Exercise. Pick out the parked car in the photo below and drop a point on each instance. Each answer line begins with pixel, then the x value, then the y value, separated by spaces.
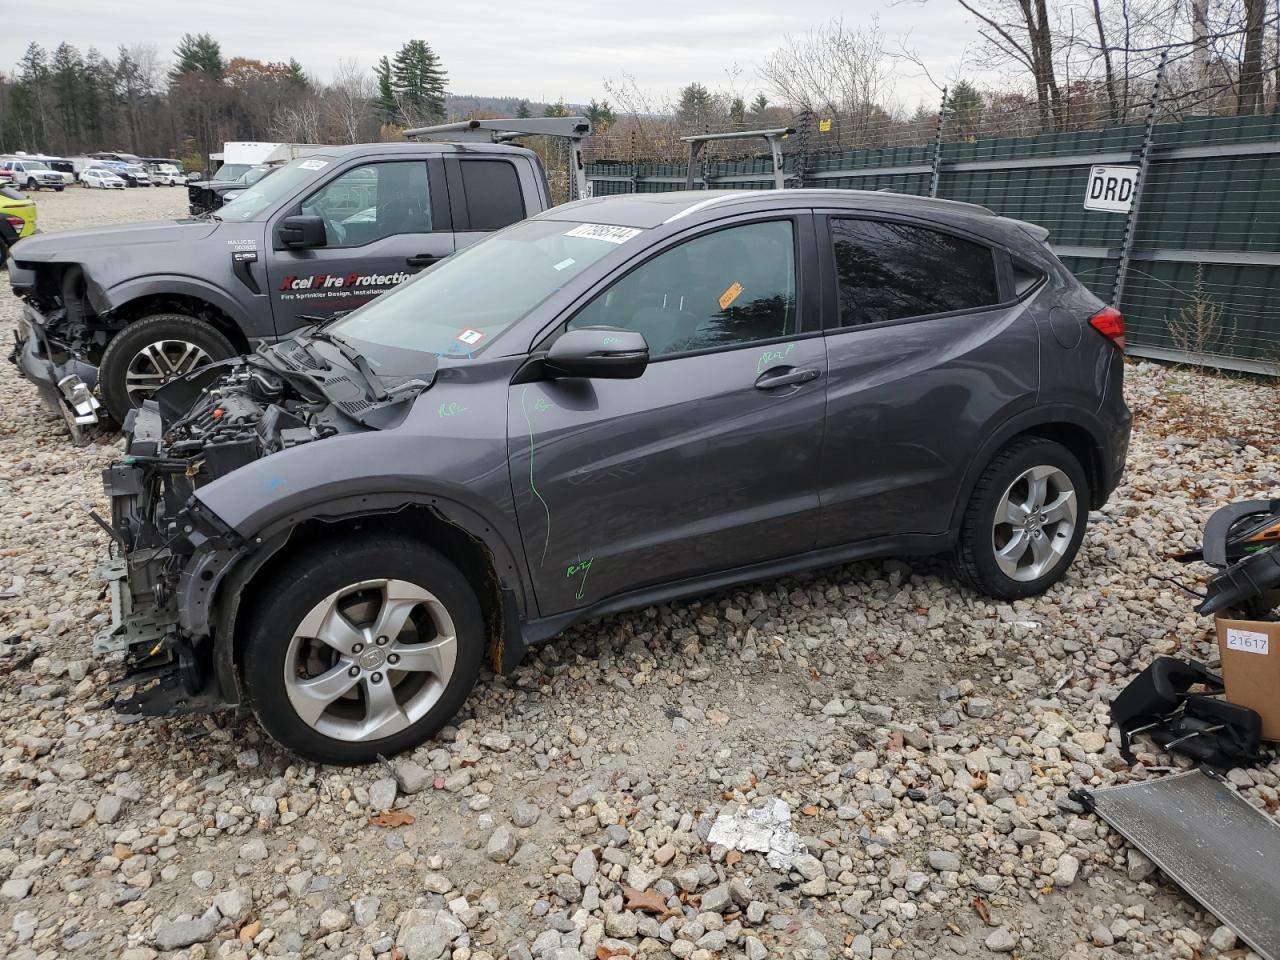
pixel 168 177
pixel 205 196
pixel 32 175
pixel 616 403
pixel 124 310
pixel 136 176
pixel 17 220
pixel 101 178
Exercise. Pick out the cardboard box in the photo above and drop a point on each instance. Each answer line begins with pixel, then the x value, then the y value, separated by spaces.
pixel 1251 668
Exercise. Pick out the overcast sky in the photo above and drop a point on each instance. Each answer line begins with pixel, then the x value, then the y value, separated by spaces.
pixel 547 50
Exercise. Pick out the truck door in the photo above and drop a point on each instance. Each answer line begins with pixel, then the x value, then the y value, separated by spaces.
pixel 488 193
pixel 384 221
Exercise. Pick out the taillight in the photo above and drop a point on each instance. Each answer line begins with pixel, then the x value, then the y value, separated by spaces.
pixel 16 222
pixel 1110 323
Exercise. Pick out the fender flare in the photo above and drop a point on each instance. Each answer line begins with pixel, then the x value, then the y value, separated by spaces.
pixel 1027 421
pixel 120 295
pixel 212 587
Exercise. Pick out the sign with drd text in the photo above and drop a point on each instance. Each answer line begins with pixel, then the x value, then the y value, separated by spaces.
pixel 1110 189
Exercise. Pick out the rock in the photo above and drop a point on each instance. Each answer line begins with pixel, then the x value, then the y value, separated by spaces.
pixel 755 949
pixel 584 866
pixel 107 810
pixel 366 910
pixel 424 942
pixel 525 815
pixel 861 946
pixel 382 793
pixel 332 921
pixel 980 708
pixel 502 845
pixel 232 903
pixel 717 899
pixel 412 777
pixel 203 879
pixel 944 860
pixel 183 933
pixel 1138 866
pixel 621 925
pixel 808 866
pixel 1065 873
pixel 15 888
pixel 437 883
pixel 1001 940
pixel 255 851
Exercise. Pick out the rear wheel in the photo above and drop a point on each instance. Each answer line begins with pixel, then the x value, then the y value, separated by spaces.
pixel 1025 520
pixel 150 353
pixel 342 666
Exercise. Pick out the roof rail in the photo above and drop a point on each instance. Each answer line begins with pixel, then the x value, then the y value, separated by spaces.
pixel 773 135
pixel 573 129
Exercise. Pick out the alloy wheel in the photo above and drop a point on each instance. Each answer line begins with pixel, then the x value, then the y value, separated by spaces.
pixel 1034 523
pixel 370 659
pixel 159 363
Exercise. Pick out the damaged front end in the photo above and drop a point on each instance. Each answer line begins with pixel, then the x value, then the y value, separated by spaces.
pixel 54 355
pixel 171 551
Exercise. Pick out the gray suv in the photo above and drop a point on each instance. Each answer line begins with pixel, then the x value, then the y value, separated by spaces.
pixel 619 402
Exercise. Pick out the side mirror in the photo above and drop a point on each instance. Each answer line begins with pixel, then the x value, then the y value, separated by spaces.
pixel 605 353
pixel 301 231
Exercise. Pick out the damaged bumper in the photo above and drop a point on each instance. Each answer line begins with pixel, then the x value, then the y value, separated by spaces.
pixel 165 544
pixel 64 381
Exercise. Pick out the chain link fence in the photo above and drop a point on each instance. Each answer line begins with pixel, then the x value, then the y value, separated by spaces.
pixel 1193 257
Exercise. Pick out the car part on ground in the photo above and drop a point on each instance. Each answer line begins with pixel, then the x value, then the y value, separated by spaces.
pixel 377 212
pixel 647 404
pixel 1242 543
pixel 1204 727
pixel 1207 839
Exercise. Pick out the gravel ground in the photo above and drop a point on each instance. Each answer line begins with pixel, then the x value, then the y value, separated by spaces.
pixel 923 742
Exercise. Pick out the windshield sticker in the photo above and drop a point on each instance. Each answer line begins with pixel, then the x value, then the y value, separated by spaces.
pixel 564 264
pixel 730 295
pixel 313 164
pixel 602 231
pixel 469 337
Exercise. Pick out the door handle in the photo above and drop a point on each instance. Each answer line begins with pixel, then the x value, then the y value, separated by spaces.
pixel 421 260
pixel 790 377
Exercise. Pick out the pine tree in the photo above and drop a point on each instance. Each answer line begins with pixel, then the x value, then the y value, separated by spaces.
pixel 522 110
pixel 557 109
pixel 738 111
pixel 601 115
pixel 199 53
pixel 759 104
pixel 67 81
pixel 295 76
pixel 695 104
pixel 385 102
pixel 418 80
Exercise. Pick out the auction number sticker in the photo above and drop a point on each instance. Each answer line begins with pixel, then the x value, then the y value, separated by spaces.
pixel 1248 641
pixel 470 337
pixel 313 164
pixel 603 231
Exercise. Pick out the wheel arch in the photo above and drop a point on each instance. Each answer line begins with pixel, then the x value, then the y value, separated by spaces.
pixel 214 310
pixel 455 531
pixel 1080 432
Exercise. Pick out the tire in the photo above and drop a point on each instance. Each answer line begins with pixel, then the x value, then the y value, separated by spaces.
pixel 1010 560
pixel 31 185
pixel 59 189
pixel 125 348
pixel 4 254
pixel 277 662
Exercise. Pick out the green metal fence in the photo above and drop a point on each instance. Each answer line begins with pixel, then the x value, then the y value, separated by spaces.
pixel 1203 269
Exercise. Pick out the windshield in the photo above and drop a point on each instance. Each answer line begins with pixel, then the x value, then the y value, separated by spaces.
pixel 231 171
pixel 460 306
pixel 35 165
pixel 267 191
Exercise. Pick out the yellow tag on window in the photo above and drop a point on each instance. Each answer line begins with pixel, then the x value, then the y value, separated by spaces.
pixel 824 126
pixel 730 295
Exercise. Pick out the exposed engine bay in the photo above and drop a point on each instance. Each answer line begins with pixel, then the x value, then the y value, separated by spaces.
pixel 192 433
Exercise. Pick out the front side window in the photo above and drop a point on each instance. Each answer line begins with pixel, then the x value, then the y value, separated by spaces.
pixel 723 289
pixel 371 202
pixel 894 271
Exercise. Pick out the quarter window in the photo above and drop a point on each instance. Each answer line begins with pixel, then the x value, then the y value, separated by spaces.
pixel 371 202
pixel 893 271
pixel 723 289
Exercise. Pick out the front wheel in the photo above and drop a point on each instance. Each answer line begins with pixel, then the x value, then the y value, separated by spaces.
pixel 1025 520
pixel 150 353
pixel 362 648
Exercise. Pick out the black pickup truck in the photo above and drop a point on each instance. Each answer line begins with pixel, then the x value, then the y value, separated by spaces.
pixel 111 314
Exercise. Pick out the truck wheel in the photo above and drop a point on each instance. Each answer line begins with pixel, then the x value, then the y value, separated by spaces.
pixel 362 648
pixel 1025 520
pixel 150 352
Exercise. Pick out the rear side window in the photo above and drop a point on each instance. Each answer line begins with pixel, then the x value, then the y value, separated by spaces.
pixel 894 271
pixel 493 193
